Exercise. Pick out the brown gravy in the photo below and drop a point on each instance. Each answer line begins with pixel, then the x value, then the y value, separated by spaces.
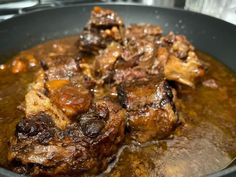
pixel 205 143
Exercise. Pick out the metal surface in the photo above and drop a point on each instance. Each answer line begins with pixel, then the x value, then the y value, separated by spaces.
pixel 230 164
pixel 208 34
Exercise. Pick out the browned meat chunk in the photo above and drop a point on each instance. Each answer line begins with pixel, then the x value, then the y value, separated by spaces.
pixel 90 42
pixel 180 61
pixel 154 92
pixel 139 43
pixel 151 123
pixel 137 59
pixel 36 102
pixel 40 148
pixel 140 52
pixel 104 62
pixel 151 111
pixel 64 131
pixel 104 18
pixel 104 27
pixel 60 67
pixel 67 88
pixel 186 71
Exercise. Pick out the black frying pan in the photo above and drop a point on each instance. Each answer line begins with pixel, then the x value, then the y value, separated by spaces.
pixel 208 34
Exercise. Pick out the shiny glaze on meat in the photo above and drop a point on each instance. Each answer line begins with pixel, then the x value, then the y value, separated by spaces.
pixel 203 144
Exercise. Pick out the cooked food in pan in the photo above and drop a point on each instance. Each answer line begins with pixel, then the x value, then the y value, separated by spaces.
pixel 118 100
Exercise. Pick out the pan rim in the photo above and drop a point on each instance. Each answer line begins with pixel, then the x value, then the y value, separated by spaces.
pixel 118 4
pixel 227 171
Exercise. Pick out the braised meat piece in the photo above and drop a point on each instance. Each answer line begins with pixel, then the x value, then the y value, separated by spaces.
pixel 151 91
pixel 109 24
pixel 104 62
pixel 90 41
pixel 103 27
pixel 151 123
pixel 141 52
pixel 104 18
pixel 36 102
pixel 180 61
pixel 67 87
pixel 137 59
pixel 40 148
pixel 64 131
pixel 151 111
pixel 60 67
pixel 139 43
pixel 185 72
pixel 138 56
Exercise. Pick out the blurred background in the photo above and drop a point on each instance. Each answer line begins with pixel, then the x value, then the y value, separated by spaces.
pixel 223 9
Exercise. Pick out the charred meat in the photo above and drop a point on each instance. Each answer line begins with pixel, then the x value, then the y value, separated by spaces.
pixel 86 145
